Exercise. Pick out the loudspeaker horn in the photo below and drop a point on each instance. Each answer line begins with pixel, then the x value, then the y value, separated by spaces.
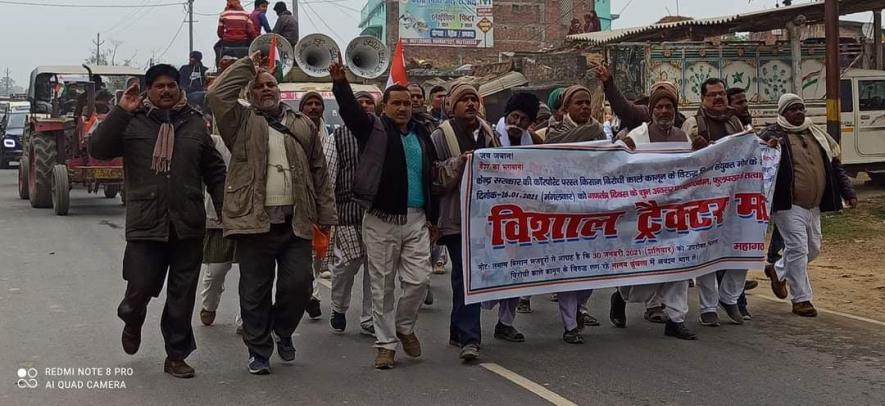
pixel 367 57
pixel 314 53
pixel 285 54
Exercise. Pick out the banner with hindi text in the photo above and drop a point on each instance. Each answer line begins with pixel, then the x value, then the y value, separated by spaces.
pixel 553 218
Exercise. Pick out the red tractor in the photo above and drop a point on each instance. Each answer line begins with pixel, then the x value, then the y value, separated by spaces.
pixel 67 102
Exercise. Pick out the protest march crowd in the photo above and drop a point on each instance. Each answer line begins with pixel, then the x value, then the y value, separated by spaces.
pixel 271 183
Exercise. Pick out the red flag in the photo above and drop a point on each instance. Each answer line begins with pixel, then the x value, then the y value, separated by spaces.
pixel 398 67
pixel 272 54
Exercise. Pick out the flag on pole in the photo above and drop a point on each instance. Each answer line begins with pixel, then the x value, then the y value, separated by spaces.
pixel 274 63
pixel 398 67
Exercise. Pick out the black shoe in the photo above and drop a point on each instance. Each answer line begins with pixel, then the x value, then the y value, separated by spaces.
pixel 367 329
pixel 428 300
pixel 678 330
pixel 573 336
pixel 618 311
pixel 733 313
pixel 587 319
pixel 338 322
pixel 745 313
pixel 691 283
pixel 285 348
pixel 131 338
pixel 524 306
pixel 709 319
pixel 258 365
pixel 313 309
pixel 508 333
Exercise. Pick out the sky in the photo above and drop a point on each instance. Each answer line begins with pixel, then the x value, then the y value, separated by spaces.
pixel 35 35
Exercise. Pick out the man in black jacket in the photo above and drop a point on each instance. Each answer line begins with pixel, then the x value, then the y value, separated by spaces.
pixel 168 156
pixel 810 180
pixel 392 183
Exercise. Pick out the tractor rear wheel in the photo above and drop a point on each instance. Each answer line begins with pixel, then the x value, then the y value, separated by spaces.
pixel 42 159
pixel 110 191
pixel 23 167
pixel 61 190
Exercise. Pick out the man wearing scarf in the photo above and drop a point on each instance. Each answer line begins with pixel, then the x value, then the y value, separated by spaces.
pixel 665 302
pixel 578 124
pixel 554 101
pixel 713 121
pixel 277 189
pixel 810 180
pixel 520 113
pixel 348 248
pixel 393 183
pixel 168 157
pixel 312 106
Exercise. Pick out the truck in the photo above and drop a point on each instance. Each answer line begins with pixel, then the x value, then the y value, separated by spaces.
pixel 765 72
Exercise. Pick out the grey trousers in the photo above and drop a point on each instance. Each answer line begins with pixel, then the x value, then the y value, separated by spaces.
pixel 710 292
pixel 674 296
pixel 343 274
pixel 568 307
pixel 213 286
pixel 397 251
pixel 800 229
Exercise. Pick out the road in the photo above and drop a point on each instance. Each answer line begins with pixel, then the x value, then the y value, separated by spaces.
pixel 60 284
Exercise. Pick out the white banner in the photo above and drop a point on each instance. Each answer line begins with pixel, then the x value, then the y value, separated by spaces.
pixel 553 218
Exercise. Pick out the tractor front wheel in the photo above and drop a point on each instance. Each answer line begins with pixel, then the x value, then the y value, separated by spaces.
pixel 23 167
pixel 61 190
pixel 42 159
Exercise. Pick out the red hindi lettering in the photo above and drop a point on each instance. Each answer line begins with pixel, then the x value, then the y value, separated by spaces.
pixel 751 205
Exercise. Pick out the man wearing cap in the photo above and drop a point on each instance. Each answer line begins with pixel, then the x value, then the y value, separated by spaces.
pixel 192 79
pixel 287 24
pixel 277 189
pixel 349 251
pixel 392 182
pixel 578 124
pixel 168 157
pixel 520 113
pixel 810 180
pixel 312 106
pixel 663 106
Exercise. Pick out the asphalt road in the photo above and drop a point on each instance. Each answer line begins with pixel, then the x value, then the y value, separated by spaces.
pixel 60 284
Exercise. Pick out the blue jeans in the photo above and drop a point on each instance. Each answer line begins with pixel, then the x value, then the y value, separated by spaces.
pixel 465 327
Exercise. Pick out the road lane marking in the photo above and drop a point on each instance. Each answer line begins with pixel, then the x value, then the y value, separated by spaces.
pixel 833 312
pixel 528 385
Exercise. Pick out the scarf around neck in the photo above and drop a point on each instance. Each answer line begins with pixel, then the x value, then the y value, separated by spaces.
pixel 829 145
pixel 501 130
pixel 161 160
pixel 569 131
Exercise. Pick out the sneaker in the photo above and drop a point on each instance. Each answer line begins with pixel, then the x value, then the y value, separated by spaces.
pixel 439 268
pixel 750 285
pixel 207 317
pixel 745 313
pixel 313 309
pixel 367 329
pixel 778 287
pixel 678 330
pixel 469 352
pixel 326 274
pixel 178 369
pixel 554 297
pixel 385 359
pixel 285 348
pixel 508 333
pixel 733 313
pixel 691 283
pixel 258 365
pixel 338 322
pixel 618 311
pixel 587 319
pixel 524 306
pixel 573 336
pixel 410 343
pixel 709 319
pixel 656 315
pixel 428 300
pixel 804 309
pixel 131 338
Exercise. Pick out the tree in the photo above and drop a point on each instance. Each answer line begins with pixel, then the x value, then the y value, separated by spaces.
pixel 108 56
pixel 7 86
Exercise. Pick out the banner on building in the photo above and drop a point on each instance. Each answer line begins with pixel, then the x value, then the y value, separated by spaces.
pixel 566 217
pixel 456 23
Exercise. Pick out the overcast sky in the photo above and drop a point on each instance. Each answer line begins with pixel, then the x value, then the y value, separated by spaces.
pixel 33 35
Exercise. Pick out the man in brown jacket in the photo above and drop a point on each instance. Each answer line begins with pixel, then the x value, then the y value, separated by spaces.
pixel 277 189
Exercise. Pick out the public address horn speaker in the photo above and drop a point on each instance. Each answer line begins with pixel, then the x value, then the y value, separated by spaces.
pixel 314 53
pixel 284 55
pixel 367 57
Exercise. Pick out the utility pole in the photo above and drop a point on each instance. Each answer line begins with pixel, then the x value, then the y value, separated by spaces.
pixel 190 25
pixel 877 38
pixel 8 93
pixel 295 14
pixel 831 30
pixel 98 43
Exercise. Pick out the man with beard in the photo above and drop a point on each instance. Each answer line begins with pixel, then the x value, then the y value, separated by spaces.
pixel 348 248
pixel 168 157
pixel 810 180
pixel 277 189
pixel 663 102
pixel 713 121
pixel 392 182
pixel 312 106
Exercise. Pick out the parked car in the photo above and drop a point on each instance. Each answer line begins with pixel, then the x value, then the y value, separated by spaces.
pixel 11 129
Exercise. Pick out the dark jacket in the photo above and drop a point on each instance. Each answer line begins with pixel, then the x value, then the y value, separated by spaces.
pixel 154 201
pixel 838 184
pixel 287 26
pixel 631 115
pixel 190 81
pixel 380 183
